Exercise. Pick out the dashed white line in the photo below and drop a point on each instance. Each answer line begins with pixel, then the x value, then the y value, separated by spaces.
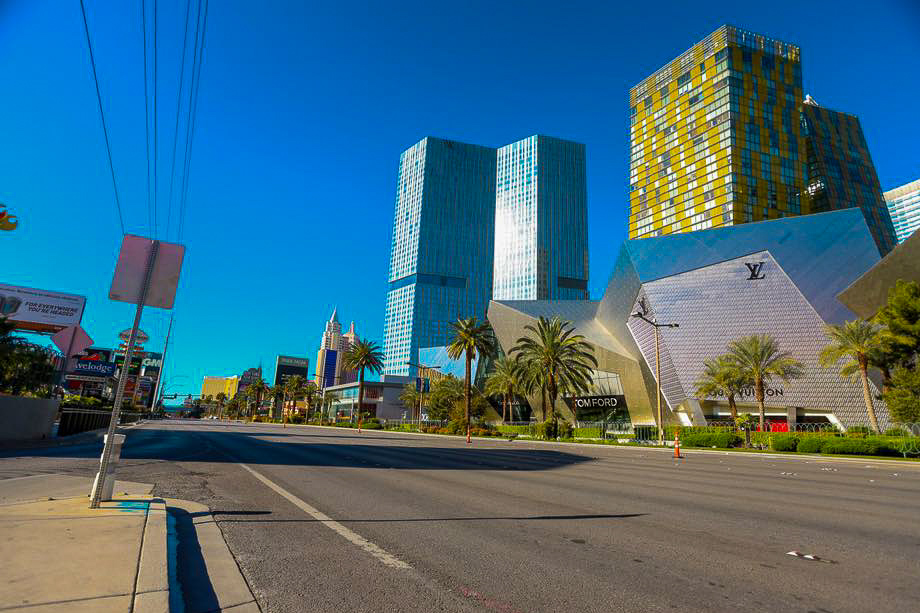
pixel 353 537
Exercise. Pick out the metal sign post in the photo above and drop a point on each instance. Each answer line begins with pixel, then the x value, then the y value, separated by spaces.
pixel 105 478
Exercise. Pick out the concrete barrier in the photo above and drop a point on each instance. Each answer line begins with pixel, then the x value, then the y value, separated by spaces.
pixel 26 419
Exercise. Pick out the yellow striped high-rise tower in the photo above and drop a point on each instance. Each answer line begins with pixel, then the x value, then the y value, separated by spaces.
pixel 716 137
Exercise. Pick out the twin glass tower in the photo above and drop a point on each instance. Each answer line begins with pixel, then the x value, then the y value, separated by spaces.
pixel 475 223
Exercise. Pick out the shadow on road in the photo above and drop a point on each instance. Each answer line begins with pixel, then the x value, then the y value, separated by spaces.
pixel 252 448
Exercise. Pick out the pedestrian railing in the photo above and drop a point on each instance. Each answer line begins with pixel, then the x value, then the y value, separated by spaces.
pixel 75 421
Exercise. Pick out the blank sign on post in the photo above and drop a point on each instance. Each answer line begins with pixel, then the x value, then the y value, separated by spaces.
pixel 132 266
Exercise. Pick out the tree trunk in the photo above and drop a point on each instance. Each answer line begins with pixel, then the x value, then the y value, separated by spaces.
pixel 867 394
pixel 543 402
pixel 732 406
pixel 360 397
pixel 469 365
pixel 758 388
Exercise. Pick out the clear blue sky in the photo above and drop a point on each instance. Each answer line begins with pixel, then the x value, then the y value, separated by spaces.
pixel 304 110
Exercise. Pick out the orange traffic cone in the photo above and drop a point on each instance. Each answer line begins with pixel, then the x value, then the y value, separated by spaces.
pixel 677 445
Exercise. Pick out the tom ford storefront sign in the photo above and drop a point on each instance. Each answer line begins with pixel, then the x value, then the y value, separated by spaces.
pixel 600 407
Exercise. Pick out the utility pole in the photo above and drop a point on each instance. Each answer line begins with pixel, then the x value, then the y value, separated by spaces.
pixel 654 322
pixel 158 389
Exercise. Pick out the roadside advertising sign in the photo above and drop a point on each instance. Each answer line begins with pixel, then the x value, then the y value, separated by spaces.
pixel 40 310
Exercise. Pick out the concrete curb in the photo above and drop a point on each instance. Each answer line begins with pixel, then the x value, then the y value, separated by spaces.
pixel 151 588
pixel 227 581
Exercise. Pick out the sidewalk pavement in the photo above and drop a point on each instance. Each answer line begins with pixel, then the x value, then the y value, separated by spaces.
pixel 57 554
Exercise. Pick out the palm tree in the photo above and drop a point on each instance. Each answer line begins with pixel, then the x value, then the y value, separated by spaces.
pixel 855 340
pixel 505 380
pixel 221 400
pixel 209 401
pixel 722 376
pixel 556 358
pixel 471 337
pixel 294 389
pixel 363 354
pixel 759 359
pixel 411 398
pixel 309 394
pixel 256 391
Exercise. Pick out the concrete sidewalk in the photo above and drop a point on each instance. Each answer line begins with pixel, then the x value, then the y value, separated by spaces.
pixel 56 554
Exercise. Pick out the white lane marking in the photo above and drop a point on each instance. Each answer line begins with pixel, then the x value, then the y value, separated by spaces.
pixel 353 537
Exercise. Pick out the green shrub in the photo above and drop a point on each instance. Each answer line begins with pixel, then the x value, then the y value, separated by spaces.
pixel 295 419
pixel 564 430
pixel 897 432
pixel 812 444
pixel 866 446
pixel 372 424
pixel 587 433
pixel 858 431
pixel 711 439
pixel 783 442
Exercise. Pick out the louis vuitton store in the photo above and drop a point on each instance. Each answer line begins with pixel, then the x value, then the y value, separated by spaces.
pixel 779 277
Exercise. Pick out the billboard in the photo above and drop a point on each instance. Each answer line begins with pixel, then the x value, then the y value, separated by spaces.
pixel 287 366
pixel 40 310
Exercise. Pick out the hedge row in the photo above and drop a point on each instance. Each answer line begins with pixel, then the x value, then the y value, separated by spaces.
pixel 871 445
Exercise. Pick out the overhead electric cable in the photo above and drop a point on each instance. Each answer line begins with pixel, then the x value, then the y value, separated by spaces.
pixel 172 172
pixel 193 119
pixel 188 119
pixel 105 131
pixel 146 115
pixel 155 130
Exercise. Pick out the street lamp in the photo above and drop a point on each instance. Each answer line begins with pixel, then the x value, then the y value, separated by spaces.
pixel 656 325
pixel 421 393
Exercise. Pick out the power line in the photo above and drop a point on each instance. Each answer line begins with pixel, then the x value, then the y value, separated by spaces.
pixel 155 130
pixel 105 131
pixel 193 114
pixel 172 172
pixel 146 114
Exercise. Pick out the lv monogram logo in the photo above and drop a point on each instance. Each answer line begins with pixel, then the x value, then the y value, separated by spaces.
pixel 755 268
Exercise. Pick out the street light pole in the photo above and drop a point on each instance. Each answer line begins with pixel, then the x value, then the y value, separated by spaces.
pixel 654 323
pixel 421 393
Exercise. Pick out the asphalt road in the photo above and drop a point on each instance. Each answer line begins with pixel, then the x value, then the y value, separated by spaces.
pixel 330 520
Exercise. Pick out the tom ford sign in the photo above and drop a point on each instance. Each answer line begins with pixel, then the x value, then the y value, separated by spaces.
pixel 605 407
pixel 597 402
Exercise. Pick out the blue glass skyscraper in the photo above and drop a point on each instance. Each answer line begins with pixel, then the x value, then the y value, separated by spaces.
pixel 541 221
pixel 443 239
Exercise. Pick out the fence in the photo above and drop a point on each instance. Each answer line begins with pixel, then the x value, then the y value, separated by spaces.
pixel 75 421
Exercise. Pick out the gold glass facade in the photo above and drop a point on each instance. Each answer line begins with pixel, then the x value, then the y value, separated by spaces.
pixel 715 137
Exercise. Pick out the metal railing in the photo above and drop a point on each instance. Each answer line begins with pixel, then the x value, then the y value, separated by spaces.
pixel 75 421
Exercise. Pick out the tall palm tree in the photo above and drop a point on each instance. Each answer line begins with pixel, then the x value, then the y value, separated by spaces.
pixel 471 338
pixel 363 355
pixel 722 376
pixel 855 340
pixel 293 389
pixel 221 401
pixel 276 395
pixel 309 394
pixel 759 359
pixel 556 358
pixel 506 380
pixel 256 391
pixel 411 398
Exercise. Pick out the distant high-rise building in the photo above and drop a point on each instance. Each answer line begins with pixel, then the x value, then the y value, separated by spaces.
pixel 541 221
pixel 442 245
pixel 715 136
pixel 330 369
pixel 840 173
pixel 904 206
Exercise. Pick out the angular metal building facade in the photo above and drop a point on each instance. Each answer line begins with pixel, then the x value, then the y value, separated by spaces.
pixel 778 277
